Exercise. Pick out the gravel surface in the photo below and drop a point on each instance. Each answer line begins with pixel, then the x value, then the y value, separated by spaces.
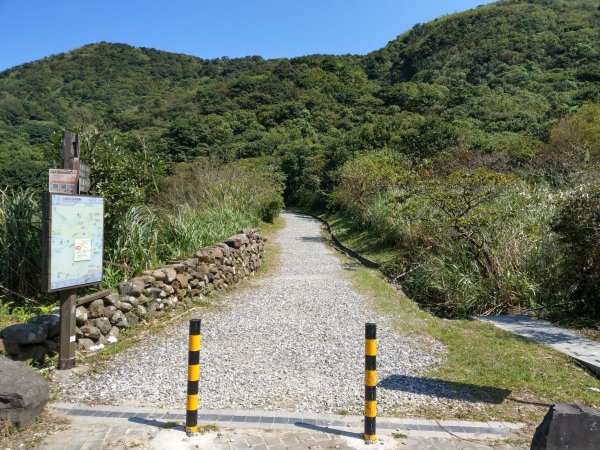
pixel 294 342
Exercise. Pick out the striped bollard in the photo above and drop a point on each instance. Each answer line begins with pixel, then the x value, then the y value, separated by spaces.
pixel 191 417
pixel 370 381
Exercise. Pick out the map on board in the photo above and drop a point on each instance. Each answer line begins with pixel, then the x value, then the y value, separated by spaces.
pixel 76 240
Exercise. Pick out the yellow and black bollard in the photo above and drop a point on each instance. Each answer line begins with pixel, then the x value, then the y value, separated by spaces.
pixel 370 381
pixel 191 417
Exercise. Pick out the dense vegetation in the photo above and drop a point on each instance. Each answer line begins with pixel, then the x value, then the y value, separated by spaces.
pixel 468 144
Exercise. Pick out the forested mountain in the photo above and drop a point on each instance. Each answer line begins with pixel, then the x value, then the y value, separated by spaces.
pixel 486 79
pixel 510 89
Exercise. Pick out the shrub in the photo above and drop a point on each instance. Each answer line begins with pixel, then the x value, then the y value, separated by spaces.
pixel 577 224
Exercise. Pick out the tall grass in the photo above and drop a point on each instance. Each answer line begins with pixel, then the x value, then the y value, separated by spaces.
pixel 497 257
pixel 20 221
pixel 200 204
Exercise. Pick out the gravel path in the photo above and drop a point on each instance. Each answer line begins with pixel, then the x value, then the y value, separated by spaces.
pixel 294 341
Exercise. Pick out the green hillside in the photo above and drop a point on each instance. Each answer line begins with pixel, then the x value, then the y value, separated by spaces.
pixel 500 102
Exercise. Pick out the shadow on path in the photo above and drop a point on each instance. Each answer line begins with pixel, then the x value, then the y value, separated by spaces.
pixel 328 430
pixel 445 389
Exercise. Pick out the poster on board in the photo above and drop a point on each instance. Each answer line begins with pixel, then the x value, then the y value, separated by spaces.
pixel 74 241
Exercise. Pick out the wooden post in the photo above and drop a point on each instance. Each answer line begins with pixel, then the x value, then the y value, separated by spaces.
pixel 66 348
pixel 68 297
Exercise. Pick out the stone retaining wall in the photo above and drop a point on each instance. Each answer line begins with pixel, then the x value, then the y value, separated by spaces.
pixel 212 269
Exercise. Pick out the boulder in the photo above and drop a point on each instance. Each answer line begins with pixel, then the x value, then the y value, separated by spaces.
pixel 133 287
pixel 51 321
pixel 81 315
pixel 10 347
pixel 51 345
pixel 23 393
pixel 568 426
pixel 35 353
pixel 25 333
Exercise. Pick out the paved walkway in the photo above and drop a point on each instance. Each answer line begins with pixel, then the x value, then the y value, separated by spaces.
pixel 113 427
pixel 584 350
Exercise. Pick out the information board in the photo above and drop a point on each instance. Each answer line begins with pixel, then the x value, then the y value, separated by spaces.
pixel 74 239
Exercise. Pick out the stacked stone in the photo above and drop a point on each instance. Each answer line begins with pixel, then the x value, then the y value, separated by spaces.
pixel 212 269
pixel 32 340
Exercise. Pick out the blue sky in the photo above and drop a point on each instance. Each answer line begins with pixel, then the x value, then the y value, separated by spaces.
pixel 32 29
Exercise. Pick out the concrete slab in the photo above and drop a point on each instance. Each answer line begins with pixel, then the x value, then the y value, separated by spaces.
pixel 583 350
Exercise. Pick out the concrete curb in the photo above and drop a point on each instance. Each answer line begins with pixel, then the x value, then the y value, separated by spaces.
pixel 281 420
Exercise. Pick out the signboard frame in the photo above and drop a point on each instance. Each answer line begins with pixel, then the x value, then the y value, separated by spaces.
pixel 47 202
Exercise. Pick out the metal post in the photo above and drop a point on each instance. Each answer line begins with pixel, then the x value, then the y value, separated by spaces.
pixel 191 417
pixel 370 381
pixel 66 349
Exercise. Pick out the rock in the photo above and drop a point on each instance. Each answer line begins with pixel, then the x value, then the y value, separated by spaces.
pixel 134 301
pixel 35 353
pixel 170 274
pixel 81 315
pixel 118 319
pixel 51 345
pixel 237 241
pixel 103 324
pixel 151 310
pixel 133 287
pixel 90 331
pixel 9 347
pixel 114 332
pixel 111 299
pixel 568 426
pixel 153 292
pixel 204 256
pixel 96 309
pixel 169 289
pixel 124 306
pixel 183 280
pixel 51 321
pixel 159 275
pixel 132 319
pixel 109 311
pixel 85 344
pixel 25 333
pixel 23 393
pixel 141 311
